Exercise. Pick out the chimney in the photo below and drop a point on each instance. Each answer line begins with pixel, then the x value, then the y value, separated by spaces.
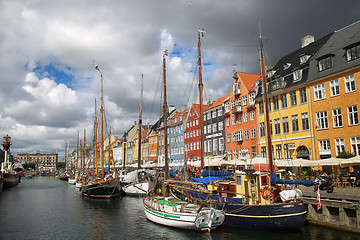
pixel 307 40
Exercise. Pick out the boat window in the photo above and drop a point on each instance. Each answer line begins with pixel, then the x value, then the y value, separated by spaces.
pixel 264 180
pixel 238 180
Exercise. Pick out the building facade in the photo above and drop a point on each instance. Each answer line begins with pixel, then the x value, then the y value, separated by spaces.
pixel 46 160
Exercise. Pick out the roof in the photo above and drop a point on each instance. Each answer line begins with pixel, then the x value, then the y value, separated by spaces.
pixel 218 101
pixel 336 45
pixel 248 79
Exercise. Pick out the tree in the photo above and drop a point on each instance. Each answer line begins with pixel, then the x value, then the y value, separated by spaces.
pixel 60 165
pixel 29 165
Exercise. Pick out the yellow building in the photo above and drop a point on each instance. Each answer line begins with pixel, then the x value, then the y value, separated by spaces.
pixel 335 94
pixel 289 105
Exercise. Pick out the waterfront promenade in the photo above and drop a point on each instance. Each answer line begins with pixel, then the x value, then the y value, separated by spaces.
pixel 344 193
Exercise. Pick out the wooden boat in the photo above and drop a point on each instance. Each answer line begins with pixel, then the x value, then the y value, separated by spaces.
pixel 252 199
pixel 101 186
pixel 171 212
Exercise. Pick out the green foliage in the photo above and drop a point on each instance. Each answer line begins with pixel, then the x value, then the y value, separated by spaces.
pixel 29 165
pixel 60 165
pixel 306 172
pixel 345 155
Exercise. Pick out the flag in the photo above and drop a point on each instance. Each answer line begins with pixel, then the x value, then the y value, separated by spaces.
pixel 318 199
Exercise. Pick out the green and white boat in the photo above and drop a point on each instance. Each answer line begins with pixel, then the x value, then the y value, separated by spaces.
pixel 172 212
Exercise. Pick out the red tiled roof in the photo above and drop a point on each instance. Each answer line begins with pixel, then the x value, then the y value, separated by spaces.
pixel 249 79
pixel 218 101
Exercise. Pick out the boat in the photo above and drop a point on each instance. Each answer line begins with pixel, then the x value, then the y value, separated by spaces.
pixel 139 181
pixel 172 212
pixel 253 198
pixel 101 186
pixel 11 176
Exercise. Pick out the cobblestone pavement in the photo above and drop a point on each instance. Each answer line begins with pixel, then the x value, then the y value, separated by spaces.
pixel 348 193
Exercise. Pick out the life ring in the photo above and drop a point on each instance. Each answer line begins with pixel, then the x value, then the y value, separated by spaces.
pixel 265 191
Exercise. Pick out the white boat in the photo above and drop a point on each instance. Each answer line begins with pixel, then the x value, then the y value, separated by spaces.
pixel 78 184
pixel 72 181
pixel 138 182
pixel 172 212
pixel 136 189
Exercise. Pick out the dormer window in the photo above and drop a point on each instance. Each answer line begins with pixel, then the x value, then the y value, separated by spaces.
pixel 353 52
pixel 297 74
pixel 304 58
pixel 287 65
pixel 325 63
pixel 236 88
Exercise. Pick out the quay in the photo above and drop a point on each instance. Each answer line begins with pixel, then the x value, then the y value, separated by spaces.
pixel 339 210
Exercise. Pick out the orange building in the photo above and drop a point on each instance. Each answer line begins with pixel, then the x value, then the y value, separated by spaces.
pixel 240 117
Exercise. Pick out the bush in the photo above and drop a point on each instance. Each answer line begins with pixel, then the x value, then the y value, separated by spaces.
pixel 29 165
pixel 60 165
pixel 345 155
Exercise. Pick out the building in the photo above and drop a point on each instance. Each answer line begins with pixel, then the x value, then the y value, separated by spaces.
pixel 335 93
pixel 41 160
pixel 289 105
pixel 240 117
pixel 214 131
pixel 176 126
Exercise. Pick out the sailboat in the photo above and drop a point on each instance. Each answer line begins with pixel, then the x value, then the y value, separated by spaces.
pixel 172 212
pixel 10 176
pixel 255 200
pixel 64 175
pixel 101 186
pixel 138 182
pixel 73 175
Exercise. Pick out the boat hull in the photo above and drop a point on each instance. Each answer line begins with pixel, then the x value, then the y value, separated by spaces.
pixel 10 179
pixel 101 190
pixel 276 217
pixel 205 220
pixel 72 181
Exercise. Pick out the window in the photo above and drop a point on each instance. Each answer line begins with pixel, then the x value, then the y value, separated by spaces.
pixel 275 103
pixel 353 53
pixel 227 122
pixel 252 98
pixel 233 104
pixel 350 83
pixel 283 101
pixel 244 99
pixel 214 127
pixel 277 125
pixel 221 144
pixel 246 117
pixel 285 122
pixel 261 107
pixel 278 152
pixel 213 114
pixel 229 155
pixel 287 153
pixel 253 133
pixel 304 58
pixel 319 91
pixel 339 145
pixel 270 127
pixel 325 63
pixel 246 134
pixel 228 137
pixel 322 120
pixel 233 119
pixel 355 145
pixel 204 130
pixel 239 117
pixel 337 117
pixel 221 126
pixel 305 121
pixel 235 154
pixel 238 135
pixel 293 101
pixel 353 115
pixel 210 146
pixel 209 128
pixel 269 104
pixel 238 103
pixel 220 112
pixel 324 146
pixel 227 106
pixel 295 123
pixel 263 152
pixel 262 129
pixel 297 75
pixel 303 98
pixel 334 88
pixel 252 115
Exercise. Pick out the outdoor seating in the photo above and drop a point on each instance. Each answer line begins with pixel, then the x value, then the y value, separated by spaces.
pixel 345 182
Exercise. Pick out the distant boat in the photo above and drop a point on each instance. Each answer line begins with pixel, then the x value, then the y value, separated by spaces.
pixel 11 176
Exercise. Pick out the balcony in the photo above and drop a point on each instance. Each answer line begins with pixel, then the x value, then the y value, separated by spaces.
pixel 237 109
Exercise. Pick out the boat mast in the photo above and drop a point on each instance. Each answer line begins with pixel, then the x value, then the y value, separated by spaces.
pixel 77 153
pixel 84 152
pixel 124 149
pixel 265 100
pixel 140 123
pixel 95 142
pixel 165 110
pixel 201 33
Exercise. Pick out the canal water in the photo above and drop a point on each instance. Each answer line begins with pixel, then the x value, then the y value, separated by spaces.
pixel 47 208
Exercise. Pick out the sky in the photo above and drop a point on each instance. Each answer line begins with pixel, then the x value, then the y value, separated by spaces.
pixel 48 48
